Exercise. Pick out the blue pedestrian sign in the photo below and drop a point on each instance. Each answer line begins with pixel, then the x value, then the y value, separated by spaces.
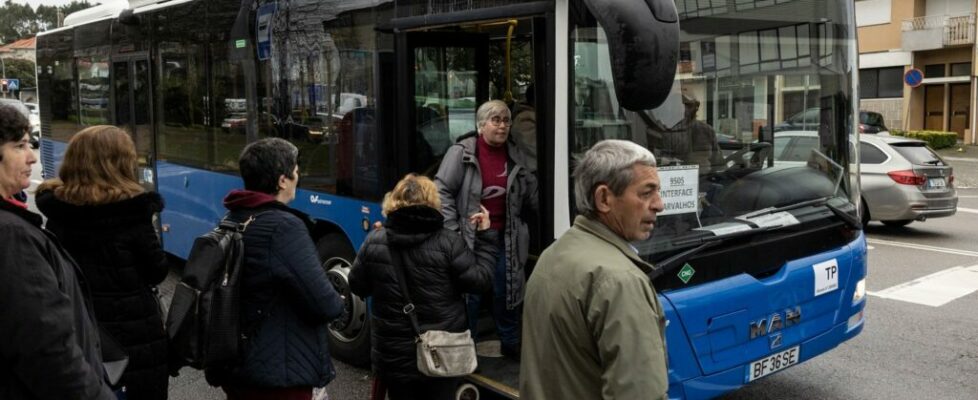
pixel 913 78
pixel 9 85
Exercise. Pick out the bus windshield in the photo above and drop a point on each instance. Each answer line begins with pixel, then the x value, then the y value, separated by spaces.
pixel 759 116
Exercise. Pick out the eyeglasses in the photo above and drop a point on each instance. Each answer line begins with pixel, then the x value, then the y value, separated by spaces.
pixel 499 121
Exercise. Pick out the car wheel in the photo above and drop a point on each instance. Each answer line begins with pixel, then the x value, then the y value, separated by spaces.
pixel 349 335
pixel 863 213
pixel 898 223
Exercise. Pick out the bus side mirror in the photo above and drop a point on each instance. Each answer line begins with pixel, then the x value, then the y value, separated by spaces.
pixel 643 38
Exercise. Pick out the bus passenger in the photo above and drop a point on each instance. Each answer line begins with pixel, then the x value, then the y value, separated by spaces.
pixel 524 129
pixel 593 322
pixel 690 141
pixel 49 341
pixel 104 217
pixel 483 170
pixel 286 299
pixel 439 267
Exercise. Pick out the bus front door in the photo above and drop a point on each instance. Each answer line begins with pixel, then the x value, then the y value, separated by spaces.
pixel 133 111
pixel 447 77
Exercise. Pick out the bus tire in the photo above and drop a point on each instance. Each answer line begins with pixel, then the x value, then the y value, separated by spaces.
pixel 349 335
pixel 467 391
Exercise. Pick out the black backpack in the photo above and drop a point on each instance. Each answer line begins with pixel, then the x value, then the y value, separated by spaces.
pixel 204 319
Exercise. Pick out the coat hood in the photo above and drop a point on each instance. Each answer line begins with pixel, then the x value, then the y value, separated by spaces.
pixel 413 224
pixel 121 213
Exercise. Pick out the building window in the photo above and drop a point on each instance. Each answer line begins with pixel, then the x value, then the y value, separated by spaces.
pixel 881 82
pixel 961 69
pixel 873 12
pixel 934 71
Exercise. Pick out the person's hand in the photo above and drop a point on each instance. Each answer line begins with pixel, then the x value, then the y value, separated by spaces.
pixel 480 219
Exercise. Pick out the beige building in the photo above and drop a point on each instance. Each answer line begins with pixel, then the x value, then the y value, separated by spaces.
pixel 935 36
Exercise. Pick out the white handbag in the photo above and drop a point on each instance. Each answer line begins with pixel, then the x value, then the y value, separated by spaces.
pixel 440 353
pixel 445 354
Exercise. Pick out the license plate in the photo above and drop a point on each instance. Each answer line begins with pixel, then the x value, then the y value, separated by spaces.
pixel 936 183
pixel 772 363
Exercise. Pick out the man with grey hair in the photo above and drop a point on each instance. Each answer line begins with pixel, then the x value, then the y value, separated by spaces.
pixel 593 325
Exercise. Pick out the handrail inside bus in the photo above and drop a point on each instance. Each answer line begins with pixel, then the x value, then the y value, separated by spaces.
pixel 511 11
pixel 508 94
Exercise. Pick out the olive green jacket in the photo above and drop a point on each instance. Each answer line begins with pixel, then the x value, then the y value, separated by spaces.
pixel 593 327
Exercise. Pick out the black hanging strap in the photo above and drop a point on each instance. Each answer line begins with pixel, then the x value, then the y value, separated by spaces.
pixel 397 260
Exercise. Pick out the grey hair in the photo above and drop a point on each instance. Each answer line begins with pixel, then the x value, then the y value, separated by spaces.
pixel 608 162
pixel 488 110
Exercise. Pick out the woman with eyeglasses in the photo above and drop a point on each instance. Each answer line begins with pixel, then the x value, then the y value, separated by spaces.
pixel 484 169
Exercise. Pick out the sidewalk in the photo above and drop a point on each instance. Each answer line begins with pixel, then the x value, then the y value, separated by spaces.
pixel 965 164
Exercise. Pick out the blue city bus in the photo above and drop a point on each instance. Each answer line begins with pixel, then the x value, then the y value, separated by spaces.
pixel 761 264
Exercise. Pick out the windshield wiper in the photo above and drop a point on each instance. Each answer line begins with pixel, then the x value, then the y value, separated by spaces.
pixel 771 210
pixel 703 243
pixel 853 222
pixel 826 201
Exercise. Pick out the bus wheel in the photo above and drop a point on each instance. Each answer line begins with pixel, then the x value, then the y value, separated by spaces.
pixel 467 391
pixel 349 335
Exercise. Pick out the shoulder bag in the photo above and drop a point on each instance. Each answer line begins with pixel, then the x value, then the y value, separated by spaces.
pixel 440 353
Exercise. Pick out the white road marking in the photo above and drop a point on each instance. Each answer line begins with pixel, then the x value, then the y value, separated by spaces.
pixel 968 210
pixel 936 289
pixel 923 247
pixel 960 159
pixel 870 248
pixel 36 181
pixel 968 197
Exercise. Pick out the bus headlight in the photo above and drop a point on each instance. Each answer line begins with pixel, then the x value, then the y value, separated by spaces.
pixel 860 292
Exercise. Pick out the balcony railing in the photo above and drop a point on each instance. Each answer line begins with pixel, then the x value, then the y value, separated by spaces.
pixel 953 29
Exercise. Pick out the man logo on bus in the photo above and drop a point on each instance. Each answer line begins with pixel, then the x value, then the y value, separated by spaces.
pixel 775 322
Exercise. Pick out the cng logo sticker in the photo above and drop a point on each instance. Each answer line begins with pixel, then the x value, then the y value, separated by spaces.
pixel 686 273
pixel 826 276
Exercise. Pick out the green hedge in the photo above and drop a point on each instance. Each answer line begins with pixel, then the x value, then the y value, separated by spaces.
pixel 935 139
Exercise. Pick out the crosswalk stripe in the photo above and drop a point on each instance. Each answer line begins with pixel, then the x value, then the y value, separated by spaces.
pixel 922 247
pixel 968 210
pixel 936 289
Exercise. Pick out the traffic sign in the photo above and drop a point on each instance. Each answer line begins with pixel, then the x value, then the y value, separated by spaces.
pixel 914 77
pixel 9 85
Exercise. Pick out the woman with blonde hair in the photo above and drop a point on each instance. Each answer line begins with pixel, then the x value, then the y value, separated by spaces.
pixel 104 218
pixel 438 267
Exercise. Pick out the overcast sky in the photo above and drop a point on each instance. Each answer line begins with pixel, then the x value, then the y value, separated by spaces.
pixel 35 3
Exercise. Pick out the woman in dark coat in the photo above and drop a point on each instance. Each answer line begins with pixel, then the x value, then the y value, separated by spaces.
pixel 287 301
pixel 440 268
pixel 104 218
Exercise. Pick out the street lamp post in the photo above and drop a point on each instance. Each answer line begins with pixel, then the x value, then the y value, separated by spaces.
pixel 3 72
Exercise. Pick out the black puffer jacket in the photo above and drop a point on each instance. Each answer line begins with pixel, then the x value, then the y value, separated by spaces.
pixel 50 346
pixel 286 299
pixel 440 268
pixel 117 248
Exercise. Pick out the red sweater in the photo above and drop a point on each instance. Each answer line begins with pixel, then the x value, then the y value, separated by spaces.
pixel 492 164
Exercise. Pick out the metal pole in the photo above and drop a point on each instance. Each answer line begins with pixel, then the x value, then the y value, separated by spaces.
pixel 3 73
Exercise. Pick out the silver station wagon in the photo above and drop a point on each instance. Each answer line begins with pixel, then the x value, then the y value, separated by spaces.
pixel 903 180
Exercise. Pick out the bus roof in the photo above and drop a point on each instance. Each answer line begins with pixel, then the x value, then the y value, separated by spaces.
pixel 109 9
pixel 112 9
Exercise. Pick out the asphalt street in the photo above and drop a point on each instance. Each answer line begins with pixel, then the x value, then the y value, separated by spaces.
pixel 908 350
